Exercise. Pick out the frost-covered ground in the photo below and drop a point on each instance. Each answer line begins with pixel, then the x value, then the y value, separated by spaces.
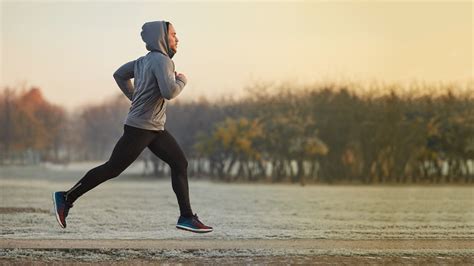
pixel 139 208
pixel 147 209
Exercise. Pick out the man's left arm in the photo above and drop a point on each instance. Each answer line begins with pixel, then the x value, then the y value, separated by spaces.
pixel 123 77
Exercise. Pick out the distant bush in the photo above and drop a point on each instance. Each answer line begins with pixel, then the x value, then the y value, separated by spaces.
pixel 336 133
pixel 324 133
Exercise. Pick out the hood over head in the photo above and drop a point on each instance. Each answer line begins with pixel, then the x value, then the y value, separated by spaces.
pixel 155 35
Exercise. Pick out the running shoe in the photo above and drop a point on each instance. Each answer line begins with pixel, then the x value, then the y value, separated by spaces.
pixel 192 224
pixel 61 207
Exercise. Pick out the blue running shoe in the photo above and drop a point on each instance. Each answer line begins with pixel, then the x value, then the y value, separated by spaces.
pixel 192 224
pixel 61 207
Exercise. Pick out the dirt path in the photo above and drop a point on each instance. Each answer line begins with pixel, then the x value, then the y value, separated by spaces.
pixel 260 260
pixel 248 251
pixel 317 244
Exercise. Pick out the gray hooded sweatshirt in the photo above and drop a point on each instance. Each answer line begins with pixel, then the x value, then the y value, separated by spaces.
pixel 155 81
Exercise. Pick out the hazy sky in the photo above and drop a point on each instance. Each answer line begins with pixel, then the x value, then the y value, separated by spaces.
pixel 71 49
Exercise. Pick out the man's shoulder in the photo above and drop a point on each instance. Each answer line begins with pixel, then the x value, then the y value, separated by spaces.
pixel 157 56
pixel 159 60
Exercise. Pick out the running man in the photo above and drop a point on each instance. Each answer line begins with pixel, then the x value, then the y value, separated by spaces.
pixel 155 82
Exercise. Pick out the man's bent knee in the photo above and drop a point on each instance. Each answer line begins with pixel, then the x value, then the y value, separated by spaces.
pixel 181 165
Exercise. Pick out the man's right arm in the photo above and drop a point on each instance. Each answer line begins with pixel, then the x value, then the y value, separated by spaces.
pixel 123 77
pixel 169 83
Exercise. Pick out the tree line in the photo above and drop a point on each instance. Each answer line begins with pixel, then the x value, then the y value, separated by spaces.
pixel 325 133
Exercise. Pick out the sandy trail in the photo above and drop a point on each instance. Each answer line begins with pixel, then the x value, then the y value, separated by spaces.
pixel 261 260
pixel 242 251
pixel 319 244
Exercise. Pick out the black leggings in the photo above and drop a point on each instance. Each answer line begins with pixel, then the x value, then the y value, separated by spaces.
pixel 126 151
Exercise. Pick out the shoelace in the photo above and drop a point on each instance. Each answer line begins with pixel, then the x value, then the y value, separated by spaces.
pixel 196 219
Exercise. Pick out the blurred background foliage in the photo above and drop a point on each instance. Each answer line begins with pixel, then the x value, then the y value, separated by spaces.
pixel 324 133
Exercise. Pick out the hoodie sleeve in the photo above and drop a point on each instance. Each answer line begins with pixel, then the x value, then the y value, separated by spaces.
pixel 123 77
pixel 170 85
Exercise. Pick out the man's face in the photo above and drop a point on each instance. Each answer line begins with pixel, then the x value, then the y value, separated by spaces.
pixel 172 39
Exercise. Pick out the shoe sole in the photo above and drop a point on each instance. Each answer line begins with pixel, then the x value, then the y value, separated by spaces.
pixel 56 212
pixel 182 227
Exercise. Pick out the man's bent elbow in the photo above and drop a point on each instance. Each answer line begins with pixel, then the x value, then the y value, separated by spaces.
pixel 167 95
pixel 170 94
pixel 116 75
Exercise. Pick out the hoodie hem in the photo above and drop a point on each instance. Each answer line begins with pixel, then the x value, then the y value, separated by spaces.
pixel 143 124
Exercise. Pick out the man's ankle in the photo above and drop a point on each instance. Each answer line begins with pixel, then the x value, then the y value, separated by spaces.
pixel 69 200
